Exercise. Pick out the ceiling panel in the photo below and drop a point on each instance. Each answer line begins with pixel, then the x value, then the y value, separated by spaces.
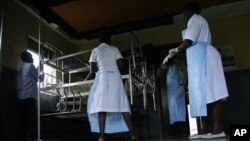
pixel 98 14
pixel 84 18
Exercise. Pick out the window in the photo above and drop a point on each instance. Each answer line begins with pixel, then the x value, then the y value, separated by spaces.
pixel 35 58
pixel 49 72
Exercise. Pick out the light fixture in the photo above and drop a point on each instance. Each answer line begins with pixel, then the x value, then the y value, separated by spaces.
pixel 54 25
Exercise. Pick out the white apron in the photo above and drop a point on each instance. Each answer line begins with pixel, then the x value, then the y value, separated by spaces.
pixel 107 94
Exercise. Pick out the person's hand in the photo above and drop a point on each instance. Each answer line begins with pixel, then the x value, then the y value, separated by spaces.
pixel 163 66
pixel 170 55
pixel 41 77
pixel 173 51
pixel 42 62
pixel 181 90
pixel 167 58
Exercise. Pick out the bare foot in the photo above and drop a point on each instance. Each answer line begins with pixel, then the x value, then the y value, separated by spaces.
pixel 133 137
pixel 101 139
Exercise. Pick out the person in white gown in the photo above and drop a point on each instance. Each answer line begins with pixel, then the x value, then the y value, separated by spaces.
pixel 108 106
pixel 206 81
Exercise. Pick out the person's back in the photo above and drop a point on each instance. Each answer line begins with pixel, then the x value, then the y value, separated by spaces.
pixel 106 56
pixel 27 93
pixel 27 81
pixel 108 106
pixel 198 30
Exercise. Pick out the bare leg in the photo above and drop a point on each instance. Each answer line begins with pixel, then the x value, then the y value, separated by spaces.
pixel 128 121
pixel 102 119
pixel 205 125
pixel 207 121
pixel 217 117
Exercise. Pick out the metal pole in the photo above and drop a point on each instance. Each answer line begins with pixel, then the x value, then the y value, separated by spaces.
pixel 153 94
pixel 69 79
pixel 69 55
pixel 201 126
pixel 137 41
pixel 133 54
pixel 130 83
pixel 80 104
pixel 38 93
pixel 144 92
pixel 1 34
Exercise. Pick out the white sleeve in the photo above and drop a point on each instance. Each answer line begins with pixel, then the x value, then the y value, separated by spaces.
pixel 193 30
pixel 118 56
pixel 92 56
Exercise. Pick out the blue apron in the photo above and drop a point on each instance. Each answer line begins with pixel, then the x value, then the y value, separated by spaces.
pixel 176 103
pixel 196 66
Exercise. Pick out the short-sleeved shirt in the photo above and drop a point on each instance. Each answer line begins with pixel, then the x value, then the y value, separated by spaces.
pixel 198 30
pixel 105 56
pixel 27 83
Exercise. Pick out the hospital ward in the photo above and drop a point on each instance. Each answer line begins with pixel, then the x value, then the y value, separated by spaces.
pixel 124 70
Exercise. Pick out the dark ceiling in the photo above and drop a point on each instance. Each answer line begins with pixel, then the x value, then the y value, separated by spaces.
pixel 81 19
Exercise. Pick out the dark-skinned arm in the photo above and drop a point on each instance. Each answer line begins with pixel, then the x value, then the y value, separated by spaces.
pixel 93 69
pixel 184 45
pixel 120 64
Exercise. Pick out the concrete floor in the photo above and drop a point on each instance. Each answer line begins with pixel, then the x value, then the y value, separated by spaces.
pixel 221 139
pixel 169 139
pixel 126 139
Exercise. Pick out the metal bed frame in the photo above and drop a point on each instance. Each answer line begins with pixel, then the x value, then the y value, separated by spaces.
pixel 137 77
